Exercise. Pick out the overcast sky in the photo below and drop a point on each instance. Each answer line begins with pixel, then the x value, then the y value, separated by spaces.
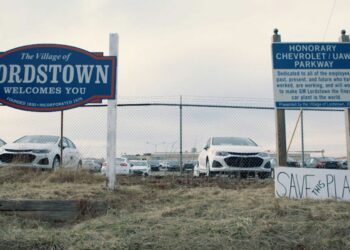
pixel 178 47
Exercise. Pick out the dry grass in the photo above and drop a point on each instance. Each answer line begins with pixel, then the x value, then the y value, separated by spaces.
pixel 173 213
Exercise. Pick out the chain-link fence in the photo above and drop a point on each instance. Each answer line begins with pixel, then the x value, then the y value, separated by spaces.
pixel 152 125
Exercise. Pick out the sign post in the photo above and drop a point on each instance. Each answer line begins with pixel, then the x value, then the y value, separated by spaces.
pixel 112 120
pixel 281 142
pixel 345 39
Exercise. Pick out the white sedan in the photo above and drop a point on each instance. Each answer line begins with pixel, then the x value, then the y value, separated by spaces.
pixel 140 167
pixel 233 155
pixel 40 151
pixel 122 167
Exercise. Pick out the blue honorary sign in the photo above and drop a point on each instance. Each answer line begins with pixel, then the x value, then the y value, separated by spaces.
pixel 311 74
pixel 52 77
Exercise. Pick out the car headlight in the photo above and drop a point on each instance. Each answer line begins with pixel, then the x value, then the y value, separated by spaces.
pixel 41 151
pixel 222 153
pixel 263 154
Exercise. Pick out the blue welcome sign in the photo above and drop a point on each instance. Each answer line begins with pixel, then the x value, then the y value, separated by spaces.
pixel 52 77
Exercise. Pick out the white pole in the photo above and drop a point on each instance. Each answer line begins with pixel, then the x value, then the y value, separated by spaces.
pixel 112 119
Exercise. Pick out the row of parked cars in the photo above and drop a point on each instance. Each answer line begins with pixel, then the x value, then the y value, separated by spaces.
pixel 221 155
pixel 144 167
pixel 316 162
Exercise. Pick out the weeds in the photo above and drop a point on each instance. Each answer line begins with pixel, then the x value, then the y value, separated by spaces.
pixel 172 213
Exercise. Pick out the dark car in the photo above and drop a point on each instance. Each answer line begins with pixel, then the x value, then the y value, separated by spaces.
pixel 323 162
pixel 188 166
pixel 292 163
pixel 173 166
pixel 155 165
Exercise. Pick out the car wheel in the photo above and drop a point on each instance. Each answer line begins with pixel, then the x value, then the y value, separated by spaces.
pixel 56 163
pixel 208 172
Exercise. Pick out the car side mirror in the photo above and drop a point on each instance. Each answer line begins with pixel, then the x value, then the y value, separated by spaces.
pixel 206 147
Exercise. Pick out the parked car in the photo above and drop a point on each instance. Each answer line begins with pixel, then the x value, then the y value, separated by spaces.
pixel 40 151
pixel 291 162
pixel 173 166
pixel 92 165
pixel 140 167
pixel 323 162
pixel 122 166
pixel 163 165
pixel 344 164
pixel 2 143
pixel 233 155
pixel 189 166
pixel 154 164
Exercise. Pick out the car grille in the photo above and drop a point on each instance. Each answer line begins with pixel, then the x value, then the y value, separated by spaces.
pixel 18 150
pixel 17 158
pixel 237 153
pixel 244 162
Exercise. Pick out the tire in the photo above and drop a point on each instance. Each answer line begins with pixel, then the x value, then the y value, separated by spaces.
pixel 56 163
pixel 208 172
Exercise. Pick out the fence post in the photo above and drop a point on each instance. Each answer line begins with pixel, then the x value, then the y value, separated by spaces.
pixel 181 165
pixel 112 120
pixel 61 142
pixel 302 138
pixel 345 39
pixel 281 149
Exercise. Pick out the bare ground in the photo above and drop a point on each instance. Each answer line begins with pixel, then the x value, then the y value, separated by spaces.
pixel 172 213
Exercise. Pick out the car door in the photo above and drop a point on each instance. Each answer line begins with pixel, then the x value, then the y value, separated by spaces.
pixel 74 157
pixel 66 154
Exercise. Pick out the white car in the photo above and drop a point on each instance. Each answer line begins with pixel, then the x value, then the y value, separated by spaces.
pixel 233 156
pixel 122 166
pixel 92 165
pixel 2 143
pixel 40 151
pixel 140 167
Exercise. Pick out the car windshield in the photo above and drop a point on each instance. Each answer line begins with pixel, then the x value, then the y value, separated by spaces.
pixel 38 139
pixel 233 141
pixel 139 163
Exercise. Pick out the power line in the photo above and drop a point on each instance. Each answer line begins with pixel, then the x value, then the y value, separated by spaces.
pixel 329 20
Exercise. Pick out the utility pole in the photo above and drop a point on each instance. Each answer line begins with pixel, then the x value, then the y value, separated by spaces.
pixel 112 119
pixel 181 167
